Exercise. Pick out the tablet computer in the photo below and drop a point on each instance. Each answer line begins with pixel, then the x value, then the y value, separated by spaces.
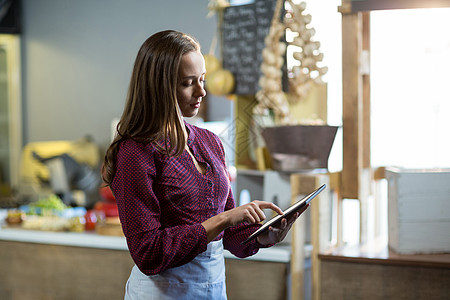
pixel 288 212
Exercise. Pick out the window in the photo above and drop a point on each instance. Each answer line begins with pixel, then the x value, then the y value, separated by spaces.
pixel 410 75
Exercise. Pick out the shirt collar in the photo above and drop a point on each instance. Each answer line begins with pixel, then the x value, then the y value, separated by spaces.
pixel 191 131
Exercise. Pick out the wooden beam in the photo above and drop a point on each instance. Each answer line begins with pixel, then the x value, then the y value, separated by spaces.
pixel 303 184
pixel 366 91
pixel 355 184
pixel 364 170
pixel 368 5
pixel 298 238
pixel 300 185
pixel 352 103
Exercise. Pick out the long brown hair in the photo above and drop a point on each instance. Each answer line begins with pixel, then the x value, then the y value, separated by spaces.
pixel 151 111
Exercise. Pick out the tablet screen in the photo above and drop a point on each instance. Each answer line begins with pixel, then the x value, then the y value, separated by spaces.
pixel 288 212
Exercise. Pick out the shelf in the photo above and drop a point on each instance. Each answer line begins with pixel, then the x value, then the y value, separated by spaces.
pixel 379 253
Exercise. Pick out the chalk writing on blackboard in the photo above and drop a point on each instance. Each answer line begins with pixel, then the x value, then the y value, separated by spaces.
pixel 243 29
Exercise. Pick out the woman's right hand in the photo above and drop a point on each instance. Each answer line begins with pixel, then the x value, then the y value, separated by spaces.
pixel 250 213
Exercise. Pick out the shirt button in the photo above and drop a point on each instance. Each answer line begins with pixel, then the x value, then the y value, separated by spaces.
pixel 210 183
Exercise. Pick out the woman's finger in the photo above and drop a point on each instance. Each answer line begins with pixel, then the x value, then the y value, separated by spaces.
pixel 268 205
pixel 253 209
pixel 293 218
pixel 284 223
pixel 274 229
pixel 260 213
pixel 249 218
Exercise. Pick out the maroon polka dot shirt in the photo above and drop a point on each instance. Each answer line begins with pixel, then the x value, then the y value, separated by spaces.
pixel 163 201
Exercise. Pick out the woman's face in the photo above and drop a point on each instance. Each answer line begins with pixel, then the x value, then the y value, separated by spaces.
pixel 191 89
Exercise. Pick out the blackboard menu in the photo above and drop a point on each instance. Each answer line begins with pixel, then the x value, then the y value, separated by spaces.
pixel 10 12
pixel 244 28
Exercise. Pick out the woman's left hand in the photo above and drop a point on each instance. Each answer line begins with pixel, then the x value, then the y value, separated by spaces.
pixel 276 234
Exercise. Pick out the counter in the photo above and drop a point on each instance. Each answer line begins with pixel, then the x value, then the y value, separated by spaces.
pixel 66 265
pixel 279 254
pixel 374 272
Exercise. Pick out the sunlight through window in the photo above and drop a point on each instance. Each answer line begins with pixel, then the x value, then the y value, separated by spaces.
pixel 410 63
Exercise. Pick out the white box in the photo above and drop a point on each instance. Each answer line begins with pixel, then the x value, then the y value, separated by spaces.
pixel 418 210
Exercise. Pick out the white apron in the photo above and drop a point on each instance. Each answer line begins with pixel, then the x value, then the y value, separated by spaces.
pixel 202 278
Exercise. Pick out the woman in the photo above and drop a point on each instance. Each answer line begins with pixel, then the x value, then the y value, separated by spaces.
pixel 170 181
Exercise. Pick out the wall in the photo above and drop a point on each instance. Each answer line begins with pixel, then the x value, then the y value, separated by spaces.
pixel 78 56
